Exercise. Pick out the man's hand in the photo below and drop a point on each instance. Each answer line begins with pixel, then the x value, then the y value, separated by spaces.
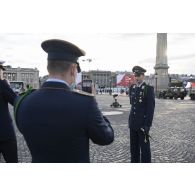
pixel 145 130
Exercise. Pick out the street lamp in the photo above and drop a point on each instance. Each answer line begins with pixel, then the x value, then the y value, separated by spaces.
pixel 89 60
pixel 110 87
pixel 155 76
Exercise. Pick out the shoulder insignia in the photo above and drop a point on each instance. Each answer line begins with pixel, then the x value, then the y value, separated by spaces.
pixel 83 93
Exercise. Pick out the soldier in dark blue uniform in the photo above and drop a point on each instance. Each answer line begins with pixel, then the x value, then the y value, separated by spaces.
pixel 56 121
pixel 8 144
pixel 141 115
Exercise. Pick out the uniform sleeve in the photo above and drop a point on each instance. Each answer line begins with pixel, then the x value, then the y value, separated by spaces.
pixel 150 105
pixel 8 93
pixel 100 131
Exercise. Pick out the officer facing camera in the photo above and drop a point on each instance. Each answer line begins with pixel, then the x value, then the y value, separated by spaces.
pixel 56 121
pixel 140 119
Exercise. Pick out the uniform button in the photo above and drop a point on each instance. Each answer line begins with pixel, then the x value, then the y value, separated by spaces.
pixel 134 113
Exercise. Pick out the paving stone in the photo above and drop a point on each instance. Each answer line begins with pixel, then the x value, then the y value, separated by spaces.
pixel 172 131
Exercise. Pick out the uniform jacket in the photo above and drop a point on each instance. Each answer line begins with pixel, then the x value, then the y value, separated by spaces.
pixel 143 103
pixel 57 124
pixel 6 96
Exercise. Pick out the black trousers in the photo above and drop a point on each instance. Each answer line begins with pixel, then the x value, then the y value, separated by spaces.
pixel 9 151
pixel 138 145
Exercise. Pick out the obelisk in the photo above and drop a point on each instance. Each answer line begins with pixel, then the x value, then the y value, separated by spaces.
pixel 161 67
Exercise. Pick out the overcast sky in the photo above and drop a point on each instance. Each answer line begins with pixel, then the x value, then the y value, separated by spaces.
pixel 115 52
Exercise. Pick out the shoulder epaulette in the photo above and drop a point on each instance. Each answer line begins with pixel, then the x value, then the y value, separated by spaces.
pixel 83 93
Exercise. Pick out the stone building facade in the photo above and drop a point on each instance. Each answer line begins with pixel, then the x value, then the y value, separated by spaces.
pixel 101 78
pixel 29 76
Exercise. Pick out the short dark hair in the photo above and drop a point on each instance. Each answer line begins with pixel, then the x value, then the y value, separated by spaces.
pixel 58 66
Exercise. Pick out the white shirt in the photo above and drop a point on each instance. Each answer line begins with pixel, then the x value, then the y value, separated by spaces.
pixel 140 84
pixel 57 80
